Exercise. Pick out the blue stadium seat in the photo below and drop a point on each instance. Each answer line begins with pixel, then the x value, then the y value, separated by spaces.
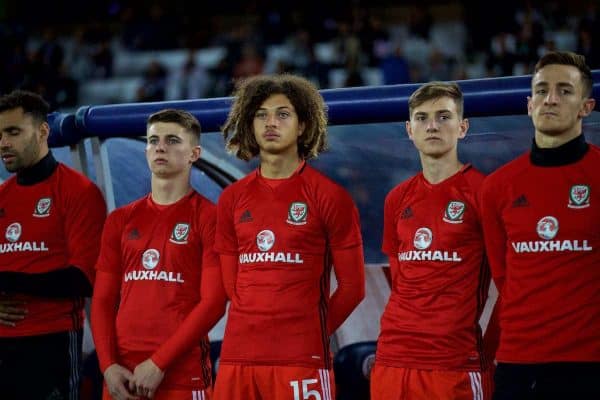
pixel 352 366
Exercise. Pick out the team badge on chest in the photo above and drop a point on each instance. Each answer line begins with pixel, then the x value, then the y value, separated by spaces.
pixel 180 233
pixel 455 211
pixel 579 196
pixel 42 208
pixel 297 213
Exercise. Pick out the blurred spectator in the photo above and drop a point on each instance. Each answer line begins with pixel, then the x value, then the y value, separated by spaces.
pixel 348 46
pixel 501 59
pixel 353 75
pixel 102 60
pixel 316 71
pixel 154 85
pixel 251 63
pixel 373 36
pixel 420 21
pixel 394 67
pixel 191 80
pixel 439 67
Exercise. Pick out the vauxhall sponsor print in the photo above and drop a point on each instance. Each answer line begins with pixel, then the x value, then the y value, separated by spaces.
pixel 422 240
pixel 265 240
pixel 150 261
pixel 13 234
pixel 547 228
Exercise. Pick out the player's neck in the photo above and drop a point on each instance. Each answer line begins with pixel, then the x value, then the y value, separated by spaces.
pixel 545 141
pixel 274 166
pixel 436 170
pixel 169 190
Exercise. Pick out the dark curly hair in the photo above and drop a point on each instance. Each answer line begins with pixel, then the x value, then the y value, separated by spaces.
pixel 252 92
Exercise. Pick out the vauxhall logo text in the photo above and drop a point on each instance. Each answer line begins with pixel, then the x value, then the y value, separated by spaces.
pixel 265 241
pixel 547 228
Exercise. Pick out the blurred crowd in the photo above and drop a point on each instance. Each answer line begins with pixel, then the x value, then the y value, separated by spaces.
pixel 415 42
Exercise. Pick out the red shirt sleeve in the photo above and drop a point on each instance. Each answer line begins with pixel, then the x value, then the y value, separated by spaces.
pixel 225 238
pixel 350 274
pixel 494 233
pixel 341 219
pixel 107 287
pixel 104 313
pixel 390 238
pixel 206 313
pixel 84 220
pixel 229 268
pixel 344 237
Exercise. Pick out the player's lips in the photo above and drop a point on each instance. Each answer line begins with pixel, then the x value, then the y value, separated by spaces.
pixel 430 138
pixel 160 161
pixel 550 113
pixel 271 135
pixel 8 157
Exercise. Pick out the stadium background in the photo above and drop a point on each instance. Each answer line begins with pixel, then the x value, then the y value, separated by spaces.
pixel 109 52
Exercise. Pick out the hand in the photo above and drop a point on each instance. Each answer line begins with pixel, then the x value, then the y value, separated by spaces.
pixel 11 311
pixel 146 378
pixel 117 379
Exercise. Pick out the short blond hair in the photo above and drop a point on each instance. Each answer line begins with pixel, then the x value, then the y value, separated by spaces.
pixel 435 90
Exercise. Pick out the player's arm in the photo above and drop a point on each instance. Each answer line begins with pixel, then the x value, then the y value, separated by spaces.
pixel 390 238
pixel 343 235
pixel 229 270
pixel 349 270
pixel 226 243
pixel 149 374
pixel 493 232
pixel 83 221
pixel 198 322
pixel 105 302
pixel 61 283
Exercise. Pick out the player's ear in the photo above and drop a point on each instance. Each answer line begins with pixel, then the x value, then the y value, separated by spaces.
pixel 196 151
pixel 409 130
pixel 464 127
pixel 44 131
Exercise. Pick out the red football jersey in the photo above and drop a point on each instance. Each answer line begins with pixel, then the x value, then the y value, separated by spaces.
pixel 159 251
pixel 543 238
pixel 282 237
pixel 440 287
pixel 50 225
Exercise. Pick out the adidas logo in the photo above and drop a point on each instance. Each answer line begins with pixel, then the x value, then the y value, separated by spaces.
pixel 246 217
pixel 520 201
pixel 134 234
pixel 407 213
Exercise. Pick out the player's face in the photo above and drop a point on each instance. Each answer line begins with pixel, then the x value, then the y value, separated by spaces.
pixel 435 127
pixel 276 127
pixel 170 149
pixel 20 139
pixel 557 102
